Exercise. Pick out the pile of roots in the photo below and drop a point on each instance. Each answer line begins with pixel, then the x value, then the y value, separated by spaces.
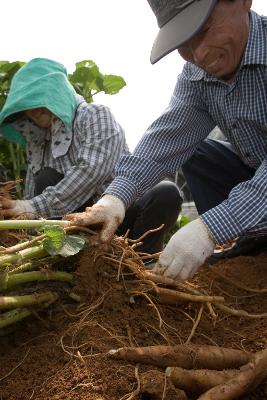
pixel 169 334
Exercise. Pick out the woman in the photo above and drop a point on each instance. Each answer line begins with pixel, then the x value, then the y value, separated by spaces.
pixel 72 149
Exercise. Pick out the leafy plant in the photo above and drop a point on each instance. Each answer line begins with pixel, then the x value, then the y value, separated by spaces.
pixel 7 71
pixel 21 267
pixel 89 81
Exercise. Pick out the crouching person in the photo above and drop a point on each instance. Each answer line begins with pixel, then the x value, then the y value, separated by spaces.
pixel 223 83
pixel 72 149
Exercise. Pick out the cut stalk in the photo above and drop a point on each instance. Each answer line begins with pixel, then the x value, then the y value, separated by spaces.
pixel 23 255
pixel 8 302
pixel 13 316
pixel 28 224
pixel 21 246
pixel 26 277
pixel 35 265
pixel 23 268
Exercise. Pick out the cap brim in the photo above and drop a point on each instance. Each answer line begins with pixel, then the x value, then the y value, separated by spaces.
pixel 181 28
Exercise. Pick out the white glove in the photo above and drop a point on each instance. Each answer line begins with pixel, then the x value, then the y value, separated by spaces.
pixel 186 251
pixel 16 208
pixel 108 212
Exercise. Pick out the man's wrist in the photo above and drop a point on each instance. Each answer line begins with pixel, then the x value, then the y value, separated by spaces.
pixel 208 231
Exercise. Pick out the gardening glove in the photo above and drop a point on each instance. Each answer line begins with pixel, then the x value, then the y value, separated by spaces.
pixel 108 212
pixel 16 208
pixel 186 251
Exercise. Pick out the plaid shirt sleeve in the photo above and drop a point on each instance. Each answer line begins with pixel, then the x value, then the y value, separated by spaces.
pixel 165 146
pixel 102 142
pixel 243 212
pixel 173 138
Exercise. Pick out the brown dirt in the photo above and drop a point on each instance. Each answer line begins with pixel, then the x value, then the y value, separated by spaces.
pixel 62 354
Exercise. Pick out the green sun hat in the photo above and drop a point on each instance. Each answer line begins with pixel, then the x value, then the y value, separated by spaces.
pixel 39 83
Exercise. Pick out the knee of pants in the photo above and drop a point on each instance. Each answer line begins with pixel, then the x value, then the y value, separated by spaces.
pixel 192 165
pixel 168 195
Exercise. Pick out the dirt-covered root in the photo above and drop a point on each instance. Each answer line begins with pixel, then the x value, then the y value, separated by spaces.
pixel 247 379
pixel 155 385
pixel 185 356
pixel 7 187
pixel 197 381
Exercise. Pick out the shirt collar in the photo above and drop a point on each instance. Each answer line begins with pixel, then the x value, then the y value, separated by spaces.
pixel 255 53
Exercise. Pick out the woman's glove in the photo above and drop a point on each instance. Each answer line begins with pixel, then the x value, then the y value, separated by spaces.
pixel 108 212
pixel 16 208
pixel 186 251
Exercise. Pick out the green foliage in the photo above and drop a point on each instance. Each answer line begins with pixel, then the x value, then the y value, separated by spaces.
pixel 87 80
pixel 181 221
pixel 58 243
pixel 55 239
pixel 7 71
pixel 12 156
pixel 73 244
pixel 12 163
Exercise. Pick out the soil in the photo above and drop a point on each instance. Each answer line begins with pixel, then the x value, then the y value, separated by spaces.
pixel 61 354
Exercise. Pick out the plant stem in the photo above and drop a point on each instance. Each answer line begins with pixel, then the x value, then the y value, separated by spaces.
pixel 35 265
pixel 10 317
pixel 23 255
pixel 7 302
pixel 21 246
pixel 13 316
pixel 25 277
pixel 27 224
pixel 22 268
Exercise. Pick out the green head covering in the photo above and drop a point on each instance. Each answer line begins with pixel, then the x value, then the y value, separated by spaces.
pixel 39 83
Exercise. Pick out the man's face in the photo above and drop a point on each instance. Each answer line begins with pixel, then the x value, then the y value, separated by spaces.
pixel 218 48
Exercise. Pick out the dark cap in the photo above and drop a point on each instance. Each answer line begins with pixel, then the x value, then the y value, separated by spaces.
pixel 179 21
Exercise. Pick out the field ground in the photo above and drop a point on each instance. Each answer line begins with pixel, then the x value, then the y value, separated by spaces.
pixel 62 354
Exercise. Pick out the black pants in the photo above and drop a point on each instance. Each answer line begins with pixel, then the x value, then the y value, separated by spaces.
pixel 212 172
pixel 50 177
pixel 159 205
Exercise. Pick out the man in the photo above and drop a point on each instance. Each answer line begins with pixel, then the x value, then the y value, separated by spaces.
pixel 72 148
pixel 223 83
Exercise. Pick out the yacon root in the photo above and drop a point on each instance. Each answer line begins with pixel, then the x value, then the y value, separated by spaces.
pixel 247 379
pixel 184 356
pixel 198 381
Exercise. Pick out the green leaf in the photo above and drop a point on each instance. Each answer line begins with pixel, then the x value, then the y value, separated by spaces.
pixel 83 76
pixel 73 244
pixel 3 63
pixel 55 239
pixel 87 64
pixel 113 84
pixel 183 220
pixel 9 69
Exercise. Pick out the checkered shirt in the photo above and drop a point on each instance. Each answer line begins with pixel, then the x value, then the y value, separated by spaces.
pixel 198 104
pixel 96 143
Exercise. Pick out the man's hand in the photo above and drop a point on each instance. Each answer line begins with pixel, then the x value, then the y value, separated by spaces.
pixel 16 208
pixel 186 251
pixel 108 212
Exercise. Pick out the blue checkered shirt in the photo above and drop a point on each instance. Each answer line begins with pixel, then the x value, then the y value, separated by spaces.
pixel 198 104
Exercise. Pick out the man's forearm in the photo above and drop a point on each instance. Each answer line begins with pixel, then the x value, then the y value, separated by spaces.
pixel 244 211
